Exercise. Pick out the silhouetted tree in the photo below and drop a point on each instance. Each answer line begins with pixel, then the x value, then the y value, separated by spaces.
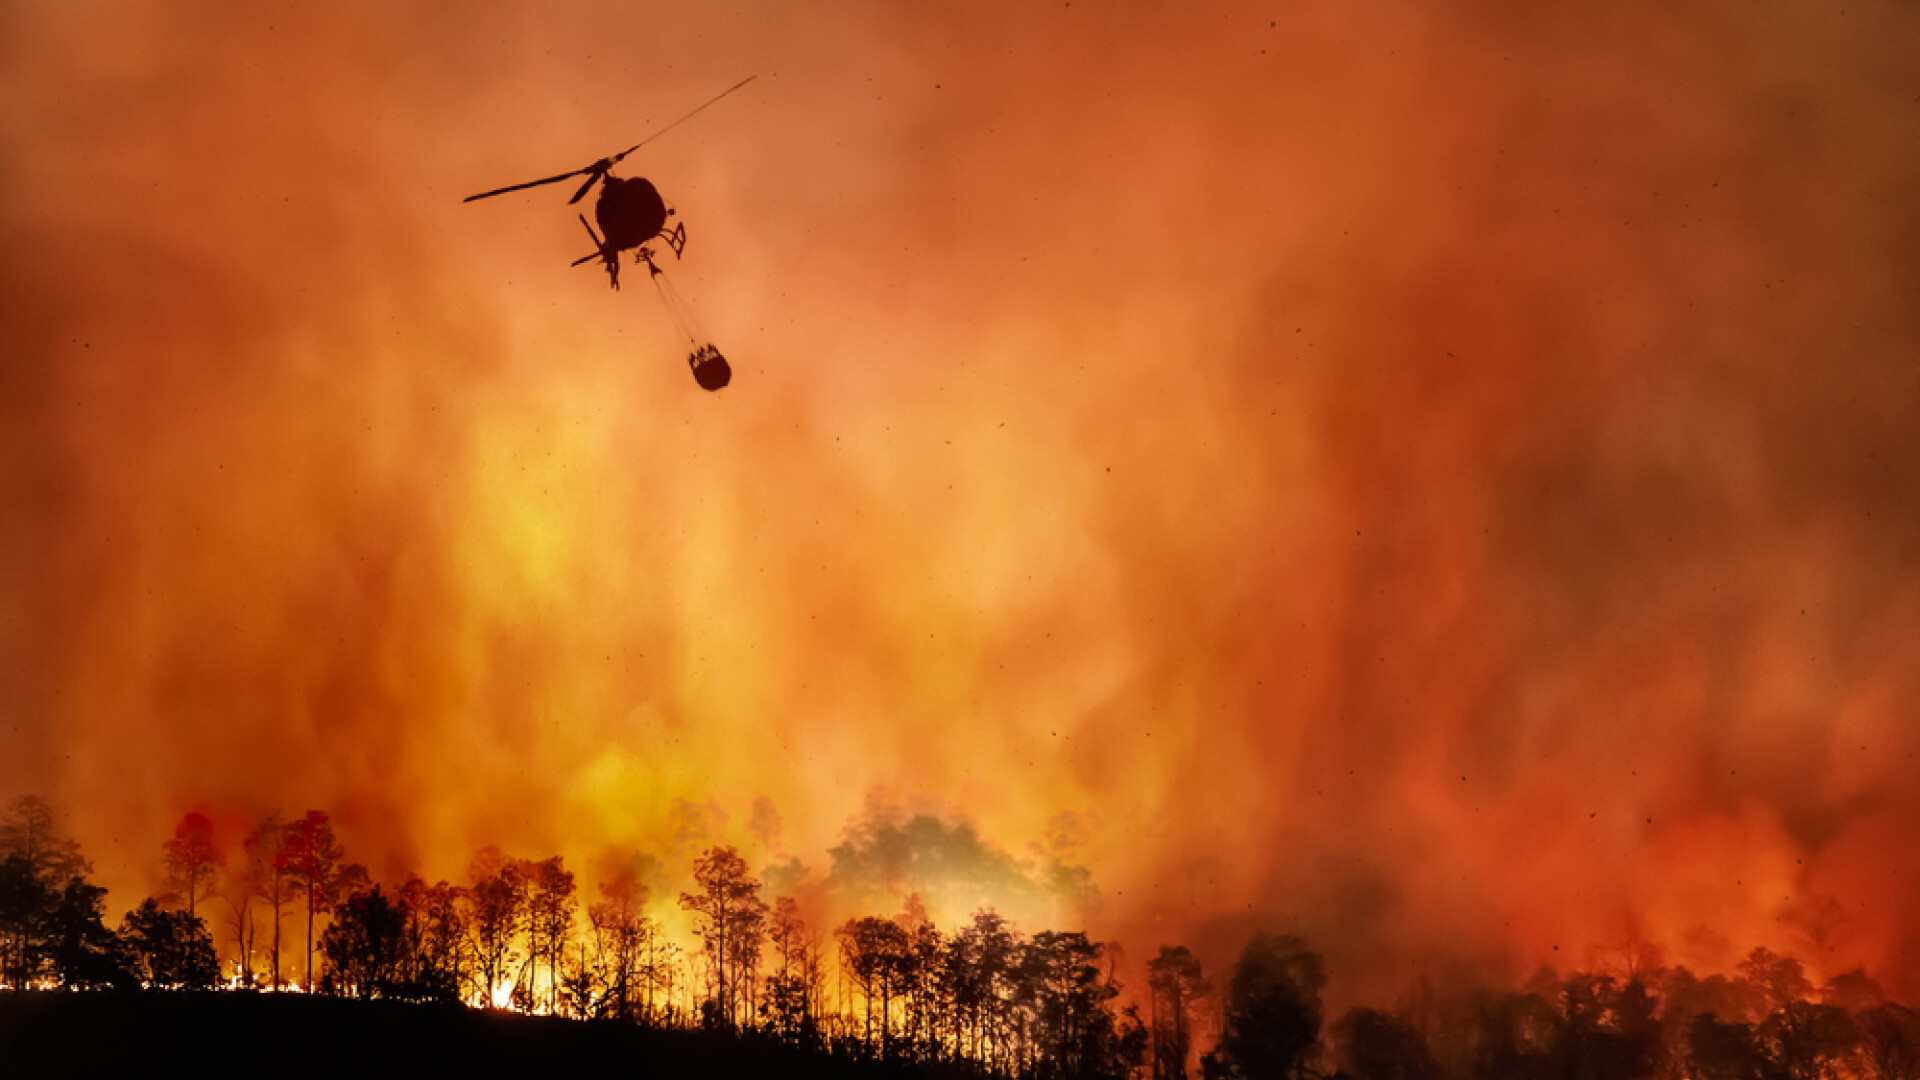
pixel 26 905
pixel 1373 1045
pixel 36 864
pixel 1777 979
pixel 1605 1031
pixel 1175 982
pixel 1130 1042
pixel 1073 1028
pixel 1810 1040
pixel 920 972
pixel 193 861
pixel 1515 1031
pixel 169 949
pixel 1853 991
pixel 85 954
pixel 1804 1038
pixel 730 911
pixel 979 975
pixel 437 956
pixel 350 879
pixel 497 913
pixel 1272 1012
pixel 873 953
pixel 744 944
pixel 239 901
pixel 365 946
pixel 666 981
pixel 29 831
pixel 1685 995
pixel 1682 998
pixel 621 934
pixel 550 890
pixel 268 878
pixel 788 1001
pixel 1890 1041
pixel 311 858
pixel 1725 1049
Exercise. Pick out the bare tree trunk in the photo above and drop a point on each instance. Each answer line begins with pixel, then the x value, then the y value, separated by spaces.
pixel 309 987
pixel 242 940
pixel 276 932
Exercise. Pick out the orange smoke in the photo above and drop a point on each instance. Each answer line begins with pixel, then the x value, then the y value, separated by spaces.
pixel 1436 481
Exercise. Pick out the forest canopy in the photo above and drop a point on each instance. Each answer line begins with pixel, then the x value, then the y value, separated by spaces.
pixel 982 995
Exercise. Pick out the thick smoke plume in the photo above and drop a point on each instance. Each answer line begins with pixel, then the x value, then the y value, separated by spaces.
pixel 1438 479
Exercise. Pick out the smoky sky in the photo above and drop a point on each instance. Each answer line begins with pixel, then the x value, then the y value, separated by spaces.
pixel 1436 478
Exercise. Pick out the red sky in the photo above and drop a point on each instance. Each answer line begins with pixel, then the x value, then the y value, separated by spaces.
pixel 1437 478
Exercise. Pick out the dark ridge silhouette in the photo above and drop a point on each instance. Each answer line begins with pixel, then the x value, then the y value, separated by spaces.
pixel 52 1033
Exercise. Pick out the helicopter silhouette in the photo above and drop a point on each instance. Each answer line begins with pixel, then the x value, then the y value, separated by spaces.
pixel 630 210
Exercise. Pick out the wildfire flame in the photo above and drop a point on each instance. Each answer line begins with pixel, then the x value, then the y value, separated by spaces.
pixel 1439 483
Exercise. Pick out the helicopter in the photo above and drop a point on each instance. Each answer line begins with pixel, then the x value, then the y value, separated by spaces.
pixel 630 210
pixel 632 215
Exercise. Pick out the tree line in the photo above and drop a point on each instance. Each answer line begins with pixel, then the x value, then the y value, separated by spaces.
pixel 982 996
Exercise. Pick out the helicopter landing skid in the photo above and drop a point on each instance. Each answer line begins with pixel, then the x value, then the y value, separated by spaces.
pixel 676 239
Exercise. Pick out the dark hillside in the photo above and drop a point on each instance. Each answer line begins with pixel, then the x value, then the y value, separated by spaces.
pixel 106 1034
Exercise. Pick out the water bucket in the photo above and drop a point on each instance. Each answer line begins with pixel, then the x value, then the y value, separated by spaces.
pixel 710 369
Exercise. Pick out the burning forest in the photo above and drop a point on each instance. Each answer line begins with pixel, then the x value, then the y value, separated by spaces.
pixel 1416 508
pixel 980 996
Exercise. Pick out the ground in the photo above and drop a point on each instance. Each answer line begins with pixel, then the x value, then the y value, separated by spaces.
pixel 291 1035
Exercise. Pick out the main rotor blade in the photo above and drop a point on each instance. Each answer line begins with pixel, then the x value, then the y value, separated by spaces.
pixel 599 168
pixel 685 118
pixel 528 184
pixel 597 174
